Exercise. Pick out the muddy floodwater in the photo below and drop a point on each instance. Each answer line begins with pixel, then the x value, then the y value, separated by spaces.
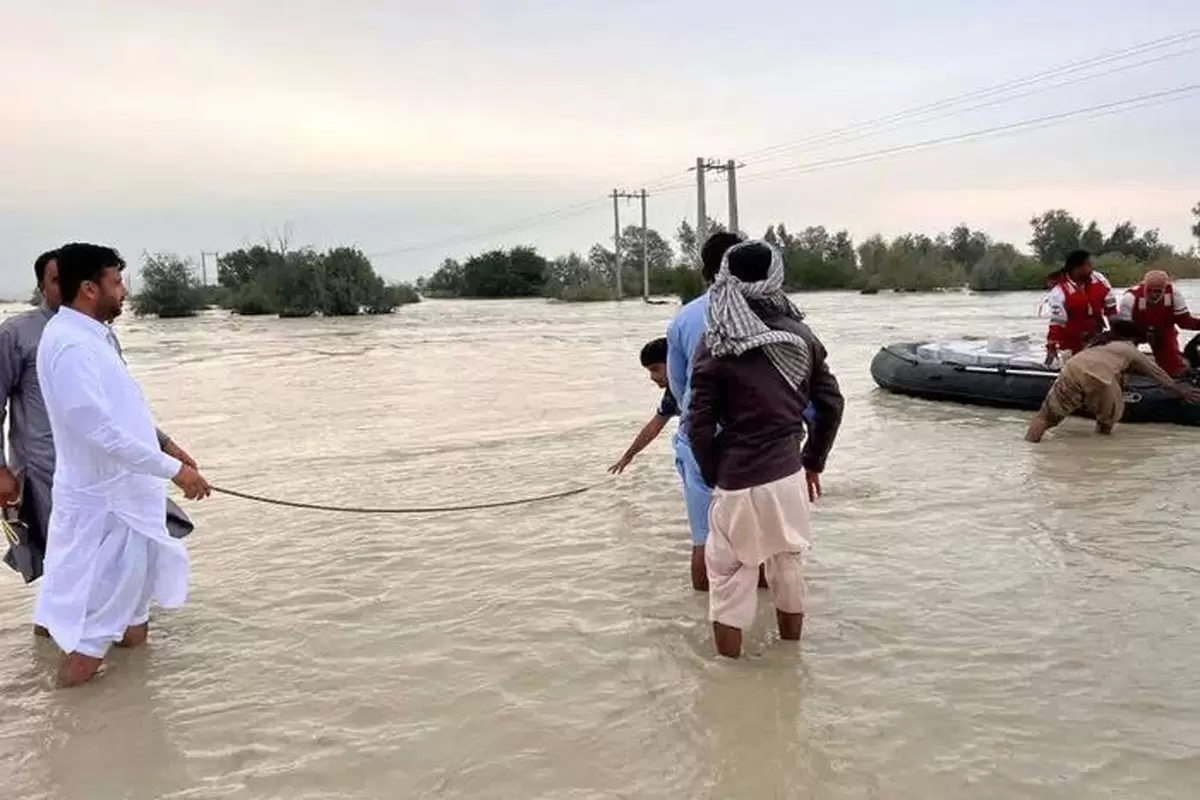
pixel 988 619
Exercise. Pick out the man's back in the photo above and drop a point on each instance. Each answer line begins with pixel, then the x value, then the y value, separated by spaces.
pixel 1107 362
pixel 684 334
pixel 762 418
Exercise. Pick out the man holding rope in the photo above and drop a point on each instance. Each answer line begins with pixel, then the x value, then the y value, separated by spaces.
pixel 26 477
pixel 757 369
pixel 108 551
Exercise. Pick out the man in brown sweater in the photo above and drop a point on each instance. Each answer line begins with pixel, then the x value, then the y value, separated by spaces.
pixel 1091 381
pixel 754 374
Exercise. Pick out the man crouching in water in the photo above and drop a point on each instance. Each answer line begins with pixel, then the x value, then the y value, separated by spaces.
pixel 754 373
pixel 1091 381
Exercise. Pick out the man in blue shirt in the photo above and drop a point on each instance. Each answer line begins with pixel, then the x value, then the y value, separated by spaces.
pixel 683 335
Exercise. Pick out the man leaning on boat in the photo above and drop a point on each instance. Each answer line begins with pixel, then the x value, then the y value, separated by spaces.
pixel 1092 379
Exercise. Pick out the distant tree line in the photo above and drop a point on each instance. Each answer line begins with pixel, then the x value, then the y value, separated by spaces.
pixel 270 279
pixel 818 259
pixel 524 272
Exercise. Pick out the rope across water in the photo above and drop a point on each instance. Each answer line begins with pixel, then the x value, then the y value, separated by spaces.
pixel 524 501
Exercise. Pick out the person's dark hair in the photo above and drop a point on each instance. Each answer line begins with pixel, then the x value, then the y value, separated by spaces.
pixel 79 262
pixel 655 352
pixel 39 266
pixel 750 262
pixel 1125 329
pixel 714 250
pixel 1119 330
pixel 1076 259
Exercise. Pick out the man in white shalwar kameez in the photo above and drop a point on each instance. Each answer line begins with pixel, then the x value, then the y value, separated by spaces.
pixel 108 552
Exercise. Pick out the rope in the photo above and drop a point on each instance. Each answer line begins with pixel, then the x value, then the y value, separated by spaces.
pixel 255 498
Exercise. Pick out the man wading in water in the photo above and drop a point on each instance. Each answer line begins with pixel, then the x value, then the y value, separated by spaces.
pixel 683 335
pixel 755 372
pixel 26 479
pixel 108 553
pixel 1091 381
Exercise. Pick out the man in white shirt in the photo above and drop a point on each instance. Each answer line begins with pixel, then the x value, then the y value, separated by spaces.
pixel 108 552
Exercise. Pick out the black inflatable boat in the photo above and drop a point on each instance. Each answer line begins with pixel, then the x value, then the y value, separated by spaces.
pixel 908 369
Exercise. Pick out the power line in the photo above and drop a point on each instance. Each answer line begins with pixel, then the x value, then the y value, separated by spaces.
pixel 1103 109
pixel 673 182
pixel 1000 88
pixel 523 223
pixel 867 132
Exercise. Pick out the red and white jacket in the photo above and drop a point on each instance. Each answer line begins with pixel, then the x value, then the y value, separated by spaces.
pixel 1160 323
pixel 1077 311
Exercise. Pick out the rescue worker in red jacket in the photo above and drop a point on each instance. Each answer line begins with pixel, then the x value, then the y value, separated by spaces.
pixel 1158 309
pixel 1080 300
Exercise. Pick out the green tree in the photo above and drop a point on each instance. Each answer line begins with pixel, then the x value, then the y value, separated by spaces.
pixel 297 284
pixel 169 288
pixel 1196 224
pixel 447 281
pixel 967 247
pixel 659 256
pixel 1055 234
pixel 814 259
pixel 1003 269
pixel 909 263
pixel 384 299
pixel 1125 240
pixel 520 272
pixel 689 247
pixel 350 282
pixel 239 268
pixel 1092 239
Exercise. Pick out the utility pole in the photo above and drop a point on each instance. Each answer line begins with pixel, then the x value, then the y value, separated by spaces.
pixel 645 253
pixel 730 168
pixel 701 209
pixel 617 242
pixel 731 171
pixel 622 195
pixel 204 265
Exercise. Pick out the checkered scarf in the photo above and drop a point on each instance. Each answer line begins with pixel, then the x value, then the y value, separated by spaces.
pixel 735 327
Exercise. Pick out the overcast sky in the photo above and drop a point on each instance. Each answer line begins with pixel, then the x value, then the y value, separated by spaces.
pixel 410 127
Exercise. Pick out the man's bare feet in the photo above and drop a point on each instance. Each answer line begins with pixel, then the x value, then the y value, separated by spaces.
pixel 790 625
pixel 76 669
pixel 728 639
pixel 41 631
pixel 1104 430
pixel 699 569
pixel 135 635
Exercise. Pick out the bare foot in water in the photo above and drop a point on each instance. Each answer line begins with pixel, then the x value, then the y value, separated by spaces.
pixel 135 635
pixel 76 669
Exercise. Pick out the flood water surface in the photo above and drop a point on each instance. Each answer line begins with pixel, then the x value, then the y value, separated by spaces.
pixel 988 618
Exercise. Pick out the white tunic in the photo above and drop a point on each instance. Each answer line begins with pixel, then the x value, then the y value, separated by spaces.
pixel 108 552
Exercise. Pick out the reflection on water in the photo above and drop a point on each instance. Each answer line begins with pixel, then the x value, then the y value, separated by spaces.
pixel 989 619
